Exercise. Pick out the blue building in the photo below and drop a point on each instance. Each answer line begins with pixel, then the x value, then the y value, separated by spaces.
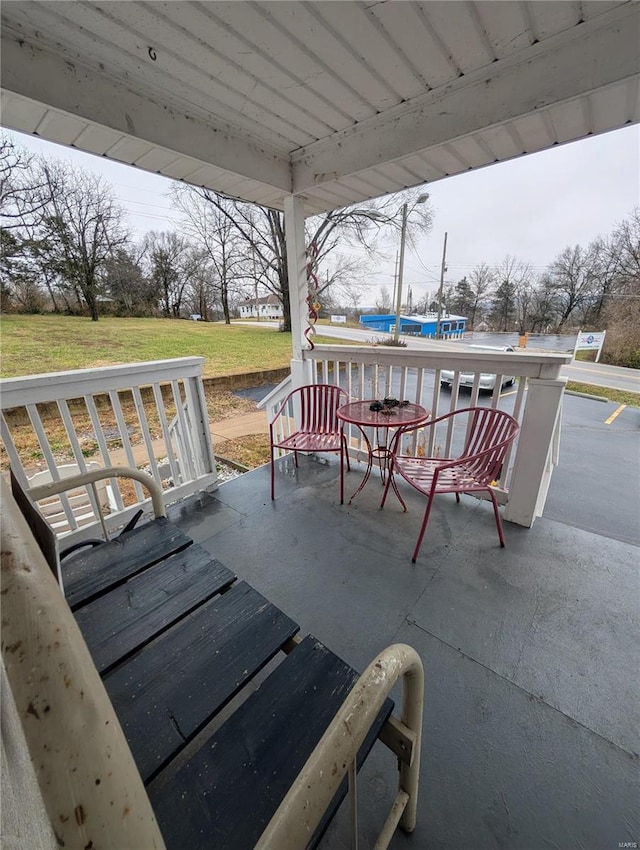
pixel 451 327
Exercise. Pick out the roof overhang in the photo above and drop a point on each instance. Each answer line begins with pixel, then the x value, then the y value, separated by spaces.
pixel 395 94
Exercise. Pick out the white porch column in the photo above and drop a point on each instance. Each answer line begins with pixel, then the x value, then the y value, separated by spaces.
pixel 535 458
pixel 297 268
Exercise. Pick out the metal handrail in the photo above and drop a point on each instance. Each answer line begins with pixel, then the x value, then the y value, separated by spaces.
pixel 52 488
pixel 303 807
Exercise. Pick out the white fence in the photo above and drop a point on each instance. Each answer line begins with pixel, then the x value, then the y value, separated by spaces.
pixel 145 415
pixel 415 374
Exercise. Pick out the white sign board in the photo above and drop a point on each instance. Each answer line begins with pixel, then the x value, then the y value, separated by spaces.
pixel 588 340
pixel 338 320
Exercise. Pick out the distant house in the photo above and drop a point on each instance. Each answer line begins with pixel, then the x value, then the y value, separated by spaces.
pixel 451 327
pixel 261 308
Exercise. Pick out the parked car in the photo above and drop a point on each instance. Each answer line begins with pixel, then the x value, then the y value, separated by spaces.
pixel 487 381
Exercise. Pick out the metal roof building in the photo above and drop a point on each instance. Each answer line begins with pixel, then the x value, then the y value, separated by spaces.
pixel 451 327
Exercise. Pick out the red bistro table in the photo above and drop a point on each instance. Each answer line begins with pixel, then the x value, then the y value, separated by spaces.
pixel 358 413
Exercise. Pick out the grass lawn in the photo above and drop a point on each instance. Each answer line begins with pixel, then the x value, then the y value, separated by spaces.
pixel 631 399
pixel 32 345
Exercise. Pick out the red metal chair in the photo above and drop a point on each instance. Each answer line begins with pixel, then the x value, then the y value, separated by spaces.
pixel 488 436
pixel 314 407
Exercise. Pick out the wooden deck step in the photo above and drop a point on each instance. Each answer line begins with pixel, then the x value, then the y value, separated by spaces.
pixel 225 795
pixel 90 572
pixel 166 693
pixel 116 625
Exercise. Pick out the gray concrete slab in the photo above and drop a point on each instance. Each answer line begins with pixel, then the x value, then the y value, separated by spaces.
pixel 530 651
pixel 326 565
pixel 553 613
pixel 502 769
pixel 203 516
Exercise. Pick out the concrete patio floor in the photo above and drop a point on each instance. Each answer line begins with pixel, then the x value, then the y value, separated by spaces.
pixel 530 652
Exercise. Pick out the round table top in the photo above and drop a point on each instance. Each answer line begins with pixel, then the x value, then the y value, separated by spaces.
pixel 358 413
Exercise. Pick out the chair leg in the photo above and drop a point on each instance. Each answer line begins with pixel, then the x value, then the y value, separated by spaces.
pixel 423 527
pixel 497 516
pixel 457 497
pixel 295 458
pixel 342 475
pixel 346 451
pixel 273 476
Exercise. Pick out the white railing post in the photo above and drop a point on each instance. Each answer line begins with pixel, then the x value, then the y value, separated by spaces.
pixel 297 270
pixel 198 419
pixel 535 457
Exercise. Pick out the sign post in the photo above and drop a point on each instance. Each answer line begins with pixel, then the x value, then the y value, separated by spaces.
pixel 589 340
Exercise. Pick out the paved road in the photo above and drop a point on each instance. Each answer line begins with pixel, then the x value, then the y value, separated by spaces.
pixel 602 375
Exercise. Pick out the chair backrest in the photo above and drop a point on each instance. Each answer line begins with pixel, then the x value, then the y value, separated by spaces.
pixel 318 406
pixel 489 434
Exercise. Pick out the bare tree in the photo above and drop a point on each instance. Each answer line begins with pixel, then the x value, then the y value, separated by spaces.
pixel 204 290
pixel 574 278
pixel 351 294
pixel 383 301
pixel 481 281
pixel 621 312
pixel 79 226
pixel 512 279
pixel 262 231
pixel 212 227
pixel 605 267
pixel 21 185
pixel 170 266
pixel 626 243
pixel 542 307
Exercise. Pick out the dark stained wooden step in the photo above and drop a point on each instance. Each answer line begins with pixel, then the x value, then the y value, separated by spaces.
pixel 225 795
pixel 90 572
pixel 166 693
pixel 116 625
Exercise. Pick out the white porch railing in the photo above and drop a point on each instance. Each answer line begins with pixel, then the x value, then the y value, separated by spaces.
pixel 414 374
pixel 143 415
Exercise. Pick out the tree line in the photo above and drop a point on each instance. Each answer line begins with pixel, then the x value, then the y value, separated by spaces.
pixel 596 287
pixel 66 247
pixel 593 288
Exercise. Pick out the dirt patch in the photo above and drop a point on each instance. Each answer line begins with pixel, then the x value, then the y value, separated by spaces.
pixel 221 405
pixel 251 451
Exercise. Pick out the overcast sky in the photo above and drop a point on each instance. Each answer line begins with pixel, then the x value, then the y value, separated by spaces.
pixel 530 208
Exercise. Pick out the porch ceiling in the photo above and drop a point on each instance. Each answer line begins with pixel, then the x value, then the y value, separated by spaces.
pixel 335 101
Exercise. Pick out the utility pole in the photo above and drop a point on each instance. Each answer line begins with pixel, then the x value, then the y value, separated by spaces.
pixel 403 235
pixel 395 280
pixel 396 333
pixel 442 271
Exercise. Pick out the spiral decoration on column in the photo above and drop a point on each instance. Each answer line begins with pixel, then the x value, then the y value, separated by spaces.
pixel 312 294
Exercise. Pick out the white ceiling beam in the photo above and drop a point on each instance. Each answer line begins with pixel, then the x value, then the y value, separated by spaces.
pixel 574 63
pixel 44 77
